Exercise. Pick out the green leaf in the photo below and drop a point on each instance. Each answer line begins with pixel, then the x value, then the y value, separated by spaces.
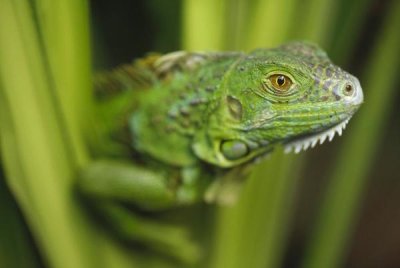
pixel 44 75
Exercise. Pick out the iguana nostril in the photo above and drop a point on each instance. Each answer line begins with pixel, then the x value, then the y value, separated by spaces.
pixel 348 90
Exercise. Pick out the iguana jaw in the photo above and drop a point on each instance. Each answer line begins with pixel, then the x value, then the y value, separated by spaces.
pixel 310 141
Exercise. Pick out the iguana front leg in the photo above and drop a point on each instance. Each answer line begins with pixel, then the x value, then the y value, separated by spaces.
pixel 109 186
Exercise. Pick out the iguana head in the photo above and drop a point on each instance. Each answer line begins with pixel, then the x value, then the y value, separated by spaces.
pixel 291 95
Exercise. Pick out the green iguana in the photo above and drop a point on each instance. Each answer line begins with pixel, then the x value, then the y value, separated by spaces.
pixel 186 127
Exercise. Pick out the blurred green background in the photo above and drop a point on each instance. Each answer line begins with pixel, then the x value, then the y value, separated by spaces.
pixel 333 206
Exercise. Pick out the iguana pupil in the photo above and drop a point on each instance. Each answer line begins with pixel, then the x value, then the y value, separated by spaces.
pixel 281 80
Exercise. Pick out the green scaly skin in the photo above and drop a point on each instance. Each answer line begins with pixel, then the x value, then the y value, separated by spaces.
pixel 187 127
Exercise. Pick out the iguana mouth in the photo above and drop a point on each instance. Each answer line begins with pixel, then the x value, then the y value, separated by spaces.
pixel 310 141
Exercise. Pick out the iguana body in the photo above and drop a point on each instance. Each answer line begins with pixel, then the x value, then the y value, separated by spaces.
pixel 189 125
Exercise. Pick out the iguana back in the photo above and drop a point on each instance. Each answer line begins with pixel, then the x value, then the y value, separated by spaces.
pixel 171 91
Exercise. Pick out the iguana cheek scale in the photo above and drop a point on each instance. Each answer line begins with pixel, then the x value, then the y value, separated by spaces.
pixel 187 126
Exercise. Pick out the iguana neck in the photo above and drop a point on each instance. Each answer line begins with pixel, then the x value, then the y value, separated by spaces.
pixel 175 110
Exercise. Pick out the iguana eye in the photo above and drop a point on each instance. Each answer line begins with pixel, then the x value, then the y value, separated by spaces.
pixel 279 86
pixel 280 82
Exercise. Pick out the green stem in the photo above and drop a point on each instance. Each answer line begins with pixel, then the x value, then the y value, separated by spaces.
pixel 203 24
pixel 253 233
pixel 313 20
pixel 44 77
pixel 347 29
pixel 16 247
pixel 267 27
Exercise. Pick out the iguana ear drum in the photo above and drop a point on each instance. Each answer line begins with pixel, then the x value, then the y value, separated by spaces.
pixel 234 149
pixel 235 107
